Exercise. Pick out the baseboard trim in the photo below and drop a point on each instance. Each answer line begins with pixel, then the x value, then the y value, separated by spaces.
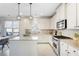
pixel 42 42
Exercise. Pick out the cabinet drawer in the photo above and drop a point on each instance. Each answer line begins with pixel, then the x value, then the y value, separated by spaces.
pixel 63 46
pixel 63 49
pixel 78 52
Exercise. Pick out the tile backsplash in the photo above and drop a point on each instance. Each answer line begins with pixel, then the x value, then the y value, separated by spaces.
pixel 69 32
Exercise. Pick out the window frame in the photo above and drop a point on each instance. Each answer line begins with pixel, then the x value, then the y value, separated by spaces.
pixel 12 27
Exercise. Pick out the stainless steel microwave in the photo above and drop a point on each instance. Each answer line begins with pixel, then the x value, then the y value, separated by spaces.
pixel 62 24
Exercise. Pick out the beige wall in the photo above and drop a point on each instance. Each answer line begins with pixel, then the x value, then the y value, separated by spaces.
pixel 53 22
pixel 44 23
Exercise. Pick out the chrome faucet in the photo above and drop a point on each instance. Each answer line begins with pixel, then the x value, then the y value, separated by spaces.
pixel 55 32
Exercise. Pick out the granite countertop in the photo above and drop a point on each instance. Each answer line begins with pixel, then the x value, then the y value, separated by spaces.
pixel 74 43
pixel 71 41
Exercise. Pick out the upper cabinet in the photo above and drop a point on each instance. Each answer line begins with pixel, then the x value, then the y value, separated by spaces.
pixel 71 15
pixel 77 21
pixel 69 11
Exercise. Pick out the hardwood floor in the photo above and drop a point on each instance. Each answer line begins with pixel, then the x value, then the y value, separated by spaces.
pixel 45 50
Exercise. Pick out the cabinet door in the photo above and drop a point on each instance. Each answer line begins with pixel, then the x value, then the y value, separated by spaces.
pixel 77 14
pixel 71 15
pixel 63 49
pixel 78 52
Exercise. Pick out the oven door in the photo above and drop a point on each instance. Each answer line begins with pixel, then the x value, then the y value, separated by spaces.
pixel 55 45
pixel 55 48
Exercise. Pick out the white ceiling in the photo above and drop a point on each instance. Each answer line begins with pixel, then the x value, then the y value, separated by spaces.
pixel 38 9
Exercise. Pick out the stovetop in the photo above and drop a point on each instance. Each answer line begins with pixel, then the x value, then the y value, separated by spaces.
pixel 62 37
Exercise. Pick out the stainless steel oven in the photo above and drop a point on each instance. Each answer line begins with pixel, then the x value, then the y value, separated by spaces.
pixel 56 46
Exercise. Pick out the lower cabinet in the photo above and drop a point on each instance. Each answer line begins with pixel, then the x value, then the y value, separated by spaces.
pixel 78 52
pixel 67 50
pixel 50 42
pixel 63 49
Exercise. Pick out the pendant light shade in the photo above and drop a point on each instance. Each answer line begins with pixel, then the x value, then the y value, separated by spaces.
pixel 30 17
pixel 18 17
pixel 30 11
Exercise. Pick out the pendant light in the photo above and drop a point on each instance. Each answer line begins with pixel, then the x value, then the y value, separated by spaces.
pixel 18 17
pixel 30 12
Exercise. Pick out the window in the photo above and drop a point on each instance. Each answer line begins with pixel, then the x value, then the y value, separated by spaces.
pixel 8 30
pixel 15 30
pixel 8 24
pixel 12 27
pixel 15 24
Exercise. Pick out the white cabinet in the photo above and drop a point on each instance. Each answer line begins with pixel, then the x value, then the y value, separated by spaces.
pixel 77 14
pixel 71 15
pixel 78 52
pixel 69 11
pixel 63 49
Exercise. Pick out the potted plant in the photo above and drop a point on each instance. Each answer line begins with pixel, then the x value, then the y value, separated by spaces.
pixel 76 35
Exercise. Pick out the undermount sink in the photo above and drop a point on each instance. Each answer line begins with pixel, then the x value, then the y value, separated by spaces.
pixel 62 37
